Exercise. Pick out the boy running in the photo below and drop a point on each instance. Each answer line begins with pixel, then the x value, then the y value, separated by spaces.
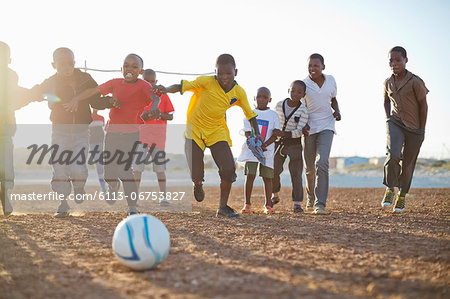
pixel 206 126
pixel 269 123
pixel 69 128
pixel 122 129
pixel 323 112
pixel 405 127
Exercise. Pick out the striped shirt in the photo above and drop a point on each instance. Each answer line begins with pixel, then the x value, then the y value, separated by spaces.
pixel 297 121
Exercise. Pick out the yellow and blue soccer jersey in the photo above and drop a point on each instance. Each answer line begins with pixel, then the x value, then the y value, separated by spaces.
pixel 206 112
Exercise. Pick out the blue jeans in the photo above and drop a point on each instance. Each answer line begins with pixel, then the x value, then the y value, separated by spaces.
pixel 316 152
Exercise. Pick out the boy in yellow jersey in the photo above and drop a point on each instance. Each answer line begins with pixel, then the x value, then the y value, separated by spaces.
pixel 206 126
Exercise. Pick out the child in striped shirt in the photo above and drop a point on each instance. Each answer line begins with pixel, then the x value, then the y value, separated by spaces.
pixel 293 118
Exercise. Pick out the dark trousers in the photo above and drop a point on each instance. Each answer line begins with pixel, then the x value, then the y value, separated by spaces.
pixel 294 152
pixel 115 171
pixel 222 155
pixel 403 145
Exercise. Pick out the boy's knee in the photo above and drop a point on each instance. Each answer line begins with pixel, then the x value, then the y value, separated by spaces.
pixel 322 165
pixel 228 174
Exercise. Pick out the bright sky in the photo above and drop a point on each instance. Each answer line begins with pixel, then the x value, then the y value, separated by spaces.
pixel 270 41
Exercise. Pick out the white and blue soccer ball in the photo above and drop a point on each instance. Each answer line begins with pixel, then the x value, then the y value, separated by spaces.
pixel 141 242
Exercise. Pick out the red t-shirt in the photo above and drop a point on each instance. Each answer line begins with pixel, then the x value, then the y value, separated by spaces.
pixel 133 98
pixel 154 130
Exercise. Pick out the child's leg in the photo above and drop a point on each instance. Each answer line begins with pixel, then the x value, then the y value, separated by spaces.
pixel 125 172
pixel 161 181
pixel 250 175
pixel 61 136
pixel 295 170
pixel 267 191
pixel 324 141
pixel 395 140
pixel 138 163
pixel 278 169
pixel 411 149
pixel 111 167
pixel 79 170
pixel 160 170
pixel 309 144
pixel 194 156
pixel 249 179
pixel 223 157
pixel 96 149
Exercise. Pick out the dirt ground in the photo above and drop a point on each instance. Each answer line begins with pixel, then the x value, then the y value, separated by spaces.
pixel 360 250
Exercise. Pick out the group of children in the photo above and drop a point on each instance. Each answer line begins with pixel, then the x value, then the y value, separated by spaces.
pixel 301 128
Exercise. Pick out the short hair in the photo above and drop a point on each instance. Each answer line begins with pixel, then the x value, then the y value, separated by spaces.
pixel 300 82
pixel 399 49
pixel 62 51
pixel 5 51
pixel 149 72
pixel 317 56
pixel 225 59
pixel 266 89
pixel 138 57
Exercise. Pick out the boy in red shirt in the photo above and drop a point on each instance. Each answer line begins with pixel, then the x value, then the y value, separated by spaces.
pixel 122 129
pixel 153 132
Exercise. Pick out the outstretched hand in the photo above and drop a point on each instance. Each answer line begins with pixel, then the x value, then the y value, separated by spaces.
pixel 115 102
pixel 159 89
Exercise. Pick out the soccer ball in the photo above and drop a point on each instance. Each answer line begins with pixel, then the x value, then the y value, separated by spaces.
pixel 141 242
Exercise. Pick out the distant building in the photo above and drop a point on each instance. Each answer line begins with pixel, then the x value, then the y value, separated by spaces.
pixel 377 160
pixel 333 162
pixel 347 161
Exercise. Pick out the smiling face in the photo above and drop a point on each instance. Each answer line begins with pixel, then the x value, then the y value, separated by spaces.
pixel 297 92
pixel 397 62
pixel 315 68
pixel 132 68
pixel 225 75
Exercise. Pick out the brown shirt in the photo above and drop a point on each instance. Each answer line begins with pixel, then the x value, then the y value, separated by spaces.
pixel 405 98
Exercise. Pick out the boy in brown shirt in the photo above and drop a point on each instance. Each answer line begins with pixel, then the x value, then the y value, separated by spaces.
pixel 405 127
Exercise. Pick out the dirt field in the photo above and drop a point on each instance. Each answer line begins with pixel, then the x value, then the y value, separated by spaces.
pixel 358 251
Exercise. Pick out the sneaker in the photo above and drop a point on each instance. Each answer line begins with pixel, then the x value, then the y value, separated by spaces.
pixel 298 209
pixel 226 212
pixel 247 209
pixel 199 194
pixel 164 202
pixel 399 204
pixel 309 206
pixel 268 210
pixel 132 211
pixel 319 210
pixel 388 199
pixel 62 210
pixel 275 200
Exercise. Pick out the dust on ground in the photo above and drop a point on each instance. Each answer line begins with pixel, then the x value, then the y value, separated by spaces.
pixel 360 250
